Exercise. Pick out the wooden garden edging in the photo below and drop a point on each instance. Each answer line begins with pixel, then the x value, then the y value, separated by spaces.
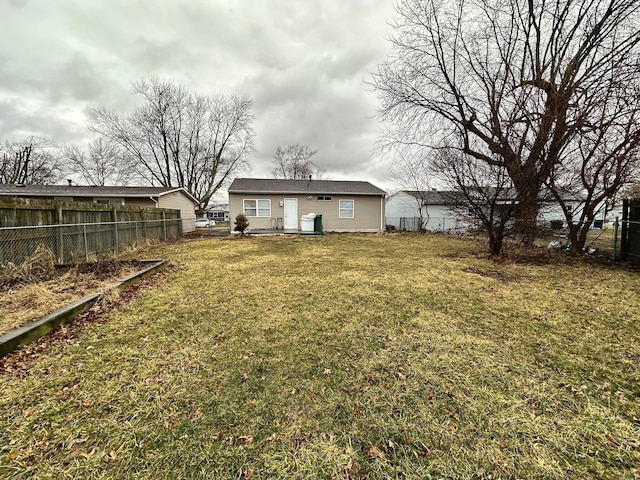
pixel 33 330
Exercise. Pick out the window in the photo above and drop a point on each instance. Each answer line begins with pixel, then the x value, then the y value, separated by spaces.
pixel 257 208
pixel 324 198
pixel 346 209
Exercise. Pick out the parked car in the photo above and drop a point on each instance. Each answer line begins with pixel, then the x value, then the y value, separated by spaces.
pixel 204 223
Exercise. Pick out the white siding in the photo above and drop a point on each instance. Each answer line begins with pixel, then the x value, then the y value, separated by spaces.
pixel 179 201
pixel 436 217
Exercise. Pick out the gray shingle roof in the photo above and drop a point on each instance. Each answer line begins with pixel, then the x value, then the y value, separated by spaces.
pixel 80 191
pixel 434 197
pixel 272 185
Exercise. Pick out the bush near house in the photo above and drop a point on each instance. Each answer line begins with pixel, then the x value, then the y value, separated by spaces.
pixel 241 223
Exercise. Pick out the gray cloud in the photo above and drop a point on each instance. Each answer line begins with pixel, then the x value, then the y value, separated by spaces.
pixel 303 64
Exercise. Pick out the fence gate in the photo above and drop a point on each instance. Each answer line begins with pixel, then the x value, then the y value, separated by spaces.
pixel 630 243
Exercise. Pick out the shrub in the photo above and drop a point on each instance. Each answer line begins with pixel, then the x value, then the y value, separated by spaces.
pixel 241 223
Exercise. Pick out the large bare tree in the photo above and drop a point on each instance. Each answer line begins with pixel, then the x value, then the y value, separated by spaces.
pixel 104 163
pixel 180 138
pixel 30 161
pixel 294 162
pixel 516 81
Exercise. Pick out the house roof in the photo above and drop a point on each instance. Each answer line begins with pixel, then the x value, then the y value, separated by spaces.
pixel 272 185
pixel 433 197
pixel 447 197
pixel 81 191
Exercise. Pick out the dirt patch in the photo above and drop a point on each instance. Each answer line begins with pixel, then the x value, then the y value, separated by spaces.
pixel 23 302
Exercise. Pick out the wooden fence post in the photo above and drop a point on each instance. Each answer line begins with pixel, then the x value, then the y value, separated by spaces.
pixel 114 215
pixel 59 235
pixel 164 225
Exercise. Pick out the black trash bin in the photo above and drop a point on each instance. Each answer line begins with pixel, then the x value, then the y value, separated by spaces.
pixel 317 224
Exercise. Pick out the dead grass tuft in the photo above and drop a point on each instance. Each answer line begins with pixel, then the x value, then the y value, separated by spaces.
pixel 38 267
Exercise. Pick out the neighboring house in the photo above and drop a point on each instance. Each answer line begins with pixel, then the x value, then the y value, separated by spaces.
pixel 218 212
pixel 403 210
pixel 406 206
pixel 551 215
pixel 345 206
pixel 149 197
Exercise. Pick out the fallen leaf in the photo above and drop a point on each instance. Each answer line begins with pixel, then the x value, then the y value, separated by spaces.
pixel 375 452
pixel 244 440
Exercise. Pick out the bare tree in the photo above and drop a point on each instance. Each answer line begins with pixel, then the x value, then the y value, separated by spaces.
pixel 103 164
pixel 480 190
pixel 182 139
pixel 411 172
pixel 294 162
pixel 30 161
pixel 603 159
pixel 516 81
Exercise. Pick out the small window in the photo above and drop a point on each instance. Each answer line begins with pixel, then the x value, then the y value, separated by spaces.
pixel 257 208
pixel 346 209
pixel 324 198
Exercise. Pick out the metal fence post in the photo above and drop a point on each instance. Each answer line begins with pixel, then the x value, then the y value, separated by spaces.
pixel 615 239
pixel 86 244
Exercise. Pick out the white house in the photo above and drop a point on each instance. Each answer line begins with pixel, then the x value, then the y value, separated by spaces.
pixel 404 208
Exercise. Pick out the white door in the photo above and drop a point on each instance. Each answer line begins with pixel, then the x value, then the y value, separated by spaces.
pixel 290 213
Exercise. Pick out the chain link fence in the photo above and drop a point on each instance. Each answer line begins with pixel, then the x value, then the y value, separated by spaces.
pixel 618 240
pixel 432 224
pixel 77 242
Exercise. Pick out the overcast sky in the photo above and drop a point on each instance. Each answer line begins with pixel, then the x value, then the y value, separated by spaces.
pixel 303 63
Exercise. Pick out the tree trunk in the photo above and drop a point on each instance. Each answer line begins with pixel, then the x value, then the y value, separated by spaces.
pixel 495 243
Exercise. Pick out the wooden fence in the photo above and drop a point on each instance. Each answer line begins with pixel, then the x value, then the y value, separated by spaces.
pixel 75 231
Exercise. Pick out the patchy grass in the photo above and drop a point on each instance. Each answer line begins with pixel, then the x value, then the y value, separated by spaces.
pixel 342 357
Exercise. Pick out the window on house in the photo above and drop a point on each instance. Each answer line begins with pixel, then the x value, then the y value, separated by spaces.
pixel 324 198
pixel 346 208
pixel 257 208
